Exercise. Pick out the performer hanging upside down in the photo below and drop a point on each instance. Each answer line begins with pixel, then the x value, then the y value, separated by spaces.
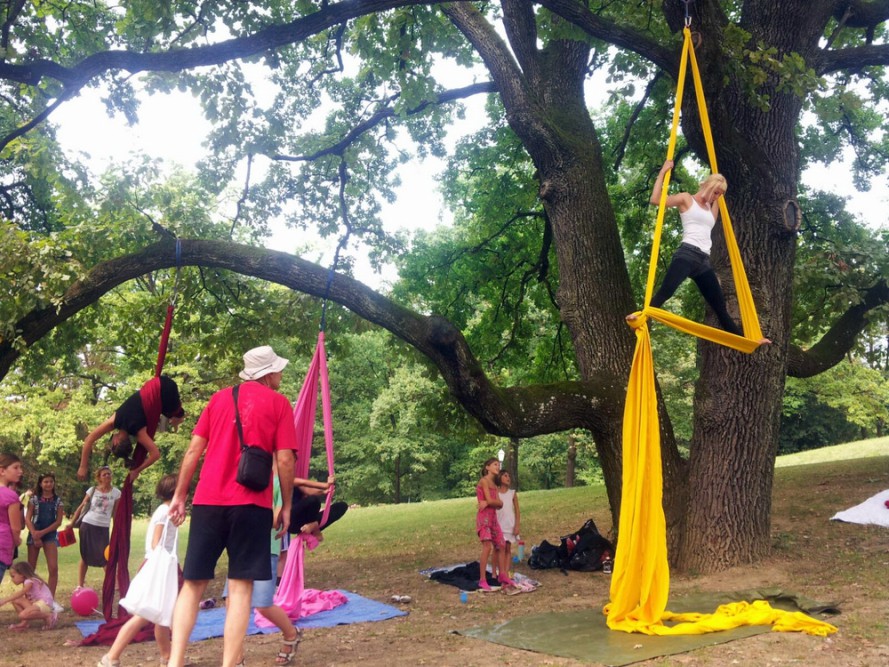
pixel 307 510
pixel 131 420
pixel 699 213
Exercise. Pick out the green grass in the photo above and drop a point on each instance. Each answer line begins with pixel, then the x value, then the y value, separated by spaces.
pixel 860 449
pixel 69 559
pixel 417 534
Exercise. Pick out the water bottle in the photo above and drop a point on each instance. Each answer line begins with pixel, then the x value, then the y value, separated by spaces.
pixel 521 544
pixel 463 597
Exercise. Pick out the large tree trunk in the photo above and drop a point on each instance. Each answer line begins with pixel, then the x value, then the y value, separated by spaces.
pixel 738 398
pixel 542 91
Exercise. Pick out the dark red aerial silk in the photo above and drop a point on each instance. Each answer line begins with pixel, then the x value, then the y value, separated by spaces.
pixel 119 545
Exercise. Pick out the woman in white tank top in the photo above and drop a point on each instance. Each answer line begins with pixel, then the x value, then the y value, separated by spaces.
pixel 699 213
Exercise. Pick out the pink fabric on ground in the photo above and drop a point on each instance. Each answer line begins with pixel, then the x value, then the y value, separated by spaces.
pixel 297 601
pixel 291 595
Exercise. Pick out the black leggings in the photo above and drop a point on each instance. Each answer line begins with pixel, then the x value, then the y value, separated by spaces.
pixel 307 509
pixel 691 262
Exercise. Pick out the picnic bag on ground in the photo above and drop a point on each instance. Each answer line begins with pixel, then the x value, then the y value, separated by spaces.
pixel 583 550
pixel 544 556
pixel 255 464
pixel 152 593
pixel 588 548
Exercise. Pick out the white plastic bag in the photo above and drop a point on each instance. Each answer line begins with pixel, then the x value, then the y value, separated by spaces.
pixel 152 593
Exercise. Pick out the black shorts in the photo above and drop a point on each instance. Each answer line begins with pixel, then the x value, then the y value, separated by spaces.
pixel 242 531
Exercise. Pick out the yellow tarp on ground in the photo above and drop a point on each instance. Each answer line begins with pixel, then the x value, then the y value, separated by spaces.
pixel 641 581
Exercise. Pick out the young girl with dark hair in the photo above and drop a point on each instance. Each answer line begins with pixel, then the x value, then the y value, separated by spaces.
pixel 43 517
pixel 488 528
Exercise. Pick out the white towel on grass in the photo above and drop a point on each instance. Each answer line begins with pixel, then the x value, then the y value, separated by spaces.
pixel 871 511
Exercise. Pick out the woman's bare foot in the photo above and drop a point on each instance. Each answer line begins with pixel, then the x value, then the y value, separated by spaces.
pixel 19 626
pixel 632 317
pixel 765 341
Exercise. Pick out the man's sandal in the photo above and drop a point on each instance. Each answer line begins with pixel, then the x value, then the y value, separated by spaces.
pixel 286 658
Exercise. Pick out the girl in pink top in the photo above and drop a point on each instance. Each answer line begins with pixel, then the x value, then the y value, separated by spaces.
pixel 34 601
pixel 487 527
pixel 10 509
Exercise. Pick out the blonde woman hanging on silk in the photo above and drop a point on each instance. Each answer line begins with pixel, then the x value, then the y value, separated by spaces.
pixel 698 213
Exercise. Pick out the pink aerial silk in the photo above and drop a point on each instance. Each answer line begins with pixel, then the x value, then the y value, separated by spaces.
pixel 292 596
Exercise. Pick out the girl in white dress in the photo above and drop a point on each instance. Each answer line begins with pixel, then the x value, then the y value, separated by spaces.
pixel 508 515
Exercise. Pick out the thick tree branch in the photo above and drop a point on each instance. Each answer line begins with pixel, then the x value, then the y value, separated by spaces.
pixel 521 30
pixel 837 342
pixel 863 13
pixel 75 77
pixel 494 52
pixel 580 15
pixel 514 411
pixel 852 59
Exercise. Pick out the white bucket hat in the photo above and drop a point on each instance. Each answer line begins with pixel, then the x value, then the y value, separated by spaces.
pixel 261 361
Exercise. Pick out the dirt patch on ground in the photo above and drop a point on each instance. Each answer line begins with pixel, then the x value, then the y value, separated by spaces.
pixel 812 556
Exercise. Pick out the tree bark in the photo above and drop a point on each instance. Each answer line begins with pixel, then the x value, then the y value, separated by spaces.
pixel 572 461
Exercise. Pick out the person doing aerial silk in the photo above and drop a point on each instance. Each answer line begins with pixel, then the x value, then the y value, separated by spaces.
pixel 641 579
pixel 155 397
pixel 699 213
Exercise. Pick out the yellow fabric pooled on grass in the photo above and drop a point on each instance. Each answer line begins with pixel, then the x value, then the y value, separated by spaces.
pixel 640 583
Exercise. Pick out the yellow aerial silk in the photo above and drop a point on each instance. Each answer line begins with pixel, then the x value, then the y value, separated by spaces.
pixel 640 583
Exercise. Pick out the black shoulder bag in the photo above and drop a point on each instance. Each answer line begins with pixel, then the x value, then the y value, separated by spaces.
pixel 255 464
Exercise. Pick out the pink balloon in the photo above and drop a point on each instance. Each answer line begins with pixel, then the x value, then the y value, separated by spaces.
pixel 84 601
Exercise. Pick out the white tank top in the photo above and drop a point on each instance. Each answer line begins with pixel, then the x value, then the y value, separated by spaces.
pixel 697 224
pixel 506 514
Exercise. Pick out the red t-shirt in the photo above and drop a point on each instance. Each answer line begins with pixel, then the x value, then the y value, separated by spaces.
pixel 267 420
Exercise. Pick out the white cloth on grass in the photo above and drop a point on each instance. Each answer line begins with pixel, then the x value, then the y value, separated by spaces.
pixel 871 511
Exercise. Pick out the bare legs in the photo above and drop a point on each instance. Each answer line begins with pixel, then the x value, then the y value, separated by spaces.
pixel 130 629
pixel 487 547
pixel 28 611
pixel 51 553
pixel 237 618
pixel 184 617
pixel 280 618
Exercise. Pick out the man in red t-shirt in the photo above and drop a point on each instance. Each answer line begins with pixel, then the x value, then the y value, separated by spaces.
pixel 227 516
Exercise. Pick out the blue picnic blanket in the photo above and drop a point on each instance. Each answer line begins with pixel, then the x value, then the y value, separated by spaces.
pixel 211 622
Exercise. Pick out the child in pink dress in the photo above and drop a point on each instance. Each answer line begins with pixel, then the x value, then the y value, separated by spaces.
pixel 488 528
pixel 34 601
